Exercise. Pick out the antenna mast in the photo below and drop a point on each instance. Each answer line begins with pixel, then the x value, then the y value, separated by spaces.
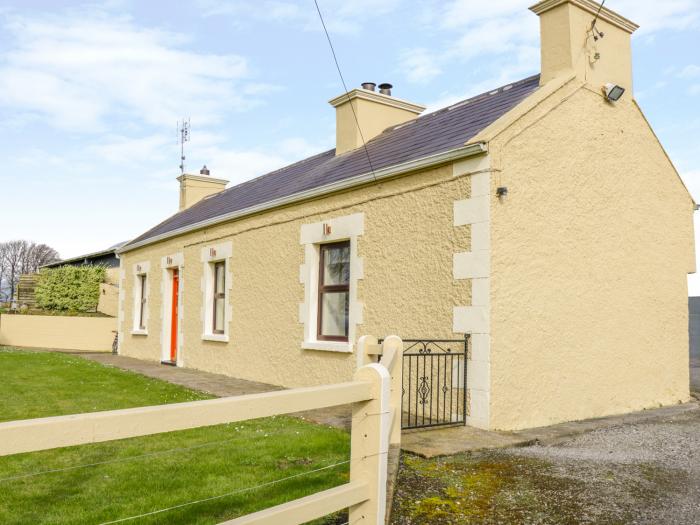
pixel 184 136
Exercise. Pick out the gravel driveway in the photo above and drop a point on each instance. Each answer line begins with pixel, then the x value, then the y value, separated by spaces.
pixel 640 473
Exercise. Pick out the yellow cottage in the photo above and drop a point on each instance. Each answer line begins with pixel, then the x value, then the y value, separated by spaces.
pixel 542 219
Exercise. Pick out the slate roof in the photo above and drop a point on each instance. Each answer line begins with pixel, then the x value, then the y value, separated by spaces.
pixel 430 134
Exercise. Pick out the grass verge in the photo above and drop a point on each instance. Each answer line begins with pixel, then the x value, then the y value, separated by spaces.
pixel 142 475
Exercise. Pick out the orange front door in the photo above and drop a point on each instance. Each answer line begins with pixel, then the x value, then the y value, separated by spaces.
pixel 173 318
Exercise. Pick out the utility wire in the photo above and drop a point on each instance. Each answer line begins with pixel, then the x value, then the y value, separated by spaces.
pixel 600 8
pixel 155 453
pixel 119 460
pixel 345 87
pixel 246 489
pixel 233 492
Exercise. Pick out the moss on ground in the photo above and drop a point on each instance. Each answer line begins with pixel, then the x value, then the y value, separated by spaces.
pixel 500 487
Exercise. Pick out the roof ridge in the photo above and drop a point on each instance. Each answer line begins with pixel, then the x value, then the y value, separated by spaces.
pixel 459 103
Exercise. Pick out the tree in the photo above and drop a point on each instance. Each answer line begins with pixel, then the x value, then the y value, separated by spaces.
pixel 21 257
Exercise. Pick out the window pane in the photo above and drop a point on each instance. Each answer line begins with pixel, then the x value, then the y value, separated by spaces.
pixel 219 314
pixel 336 264
pixel 219 277
pixel 334 314
pixel 142 312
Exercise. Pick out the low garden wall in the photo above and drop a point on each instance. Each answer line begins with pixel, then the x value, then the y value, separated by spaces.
pixel 60 332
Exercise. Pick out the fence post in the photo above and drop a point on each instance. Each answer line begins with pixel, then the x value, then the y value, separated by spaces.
pixel 369 444
pixel 364 344
pixel 392 359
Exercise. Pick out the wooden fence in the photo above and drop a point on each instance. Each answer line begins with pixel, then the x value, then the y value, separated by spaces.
pixel 25 290
pixel 374 392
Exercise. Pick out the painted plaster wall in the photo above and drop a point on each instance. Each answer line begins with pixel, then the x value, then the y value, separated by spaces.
pixel 590 254
pixel 112 275
pixel 407 288
pixel 54 331
pixel 108 303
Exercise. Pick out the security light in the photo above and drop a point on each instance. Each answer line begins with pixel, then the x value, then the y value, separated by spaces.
pixel 613 92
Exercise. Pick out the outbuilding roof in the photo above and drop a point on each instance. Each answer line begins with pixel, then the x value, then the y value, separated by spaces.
pixel 441 131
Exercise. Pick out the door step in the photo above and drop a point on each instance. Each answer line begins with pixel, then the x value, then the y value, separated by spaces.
pixel 169 363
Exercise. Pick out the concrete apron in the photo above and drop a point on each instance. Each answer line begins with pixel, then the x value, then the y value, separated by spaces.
pixel 455 440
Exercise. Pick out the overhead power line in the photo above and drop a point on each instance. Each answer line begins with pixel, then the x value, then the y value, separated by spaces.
pixel 345 87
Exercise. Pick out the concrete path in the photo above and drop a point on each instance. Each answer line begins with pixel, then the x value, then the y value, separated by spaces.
pixel 449 441
pixel 215 384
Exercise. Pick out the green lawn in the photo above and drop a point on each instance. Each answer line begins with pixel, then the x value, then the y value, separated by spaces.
pixel 142 475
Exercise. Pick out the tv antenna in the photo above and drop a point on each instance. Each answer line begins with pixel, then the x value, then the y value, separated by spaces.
pixel 183 130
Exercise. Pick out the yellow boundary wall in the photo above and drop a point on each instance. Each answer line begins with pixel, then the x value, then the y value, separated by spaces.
pixel 60 332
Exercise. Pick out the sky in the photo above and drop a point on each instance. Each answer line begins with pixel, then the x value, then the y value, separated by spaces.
pixel 90 93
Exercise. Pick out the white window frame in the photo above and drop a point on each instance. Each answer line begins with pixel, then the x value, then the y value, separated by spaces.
pixel 346 228
pixel 139 270
pixel 210 255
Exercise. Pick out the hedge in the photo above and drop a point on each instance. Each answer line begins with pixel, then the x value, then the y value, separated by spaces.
pixel 75 288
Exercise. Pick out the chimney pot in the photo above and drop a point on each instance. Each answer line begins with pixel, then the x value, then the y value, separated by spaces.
pixel 369 86
pixel 385 89
pixel 204 170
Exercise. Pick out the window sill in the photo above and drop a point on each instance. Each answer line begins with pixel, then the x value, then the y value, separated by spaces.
pixel 217 338
pixel 139 332
pixel 328 346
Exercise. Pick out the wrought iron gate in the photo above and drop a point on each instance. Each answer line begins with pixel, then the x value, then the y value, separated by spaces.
pixel 434 382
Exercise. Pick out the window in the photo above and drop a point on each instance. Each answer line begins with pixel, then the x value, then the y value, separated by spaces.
pixel 216 291
pixel 142 302
pixel 334 291
pixel 219 298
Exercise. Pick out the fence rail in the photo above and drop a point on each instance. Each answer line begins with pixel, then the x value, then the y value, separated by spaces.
pixel 374 394
pixel 63 431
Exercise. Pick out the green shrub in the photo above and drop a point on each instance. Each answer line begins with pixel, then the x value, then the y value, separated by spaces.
pixel 75 288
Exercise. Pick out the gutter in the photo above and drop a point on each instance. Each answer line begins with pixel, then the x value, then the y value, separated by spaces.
pixel 469 150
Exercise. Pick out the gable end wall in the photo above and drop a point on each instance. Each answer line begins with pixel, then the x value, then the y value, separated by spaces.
pixel 591 251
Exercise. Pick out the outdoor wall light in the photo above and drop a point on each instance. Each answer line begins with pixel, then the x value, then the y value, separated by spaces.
pixel 502 192
pixel 613 92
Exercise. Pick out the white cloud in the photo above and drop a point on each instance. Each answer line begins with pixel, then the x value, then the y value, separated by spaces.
pixel 658 16
pixel 133 151
pixel 498 40
pixel 78 70
pixel 652 16
pixel 459 13
pixel 690 71
pixel 419 65
pixel 340 16
pixel 501 39
pixel 692 182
